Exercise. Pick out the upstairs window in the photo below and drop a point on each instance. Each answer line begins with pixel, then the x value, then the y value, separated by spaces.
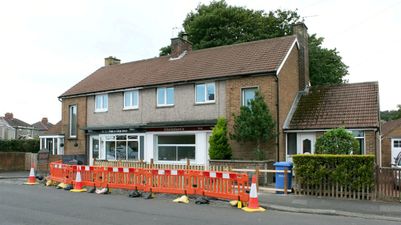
pixel 101 103
pixel 247 95
pixel 73 120
pixel 165 96
pixel 131 99
pixel 205 93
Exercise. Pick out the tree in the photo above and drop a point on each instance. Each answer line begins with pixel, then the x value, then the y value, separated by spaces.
pixel 337 141
pixel 254 124
pixel 219 24
pixel 389 115
pixel 325 65
pixel 219 147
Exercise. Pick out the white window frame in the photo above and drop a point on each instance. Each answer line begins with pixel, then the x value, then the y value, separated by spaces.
pixel 176 149
pixel 70 109
pixel 243 103
pixel 206 100
pixel 165 96
pixel 131 94
pixel 104 103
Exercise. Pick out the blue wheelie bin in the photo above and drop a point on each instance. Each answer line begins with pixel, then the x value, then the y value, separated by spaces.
pixel 280 175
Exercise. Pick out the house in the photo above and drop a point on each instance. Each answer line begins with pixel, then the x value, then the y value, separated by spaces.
pixel 390 141
pixel 7 132
pixel 164 108
pixel 22 130
pixel 41 127
pixel 52 140
pixel 352 106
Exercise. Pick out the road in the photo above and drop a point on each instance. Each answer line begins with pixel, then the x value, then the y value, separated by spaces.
pixel 39 205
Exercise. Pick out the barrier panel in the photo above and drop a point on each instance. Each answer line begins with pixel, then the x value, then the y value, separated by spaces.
pixel 224 185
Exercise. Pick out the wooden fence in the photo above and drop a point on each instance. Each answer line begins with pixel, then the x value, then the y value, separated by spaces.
pixel 388 183
pixel 327 188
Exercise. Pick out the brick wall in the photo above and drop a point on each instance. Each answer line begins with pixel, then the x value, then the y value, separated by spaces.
pixel 288 89
pixel 267 84
pixel 370 142
pixel 74 146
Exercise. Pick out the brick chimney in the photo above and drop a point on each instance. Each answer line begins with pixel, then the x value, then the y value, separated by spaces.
pixel 9 116
pixel 179 45
pixel 45 121
pixel 111 61
pixel 301 31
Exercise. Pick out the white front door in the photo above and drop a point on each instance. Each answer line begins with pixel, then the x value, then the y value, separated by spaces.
pixel 395 149
pixel 306 143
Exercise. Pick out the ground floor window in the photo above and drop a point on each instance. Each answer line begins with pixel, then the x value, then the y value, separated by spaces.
pixel 117 147
pixel 53 144
pixel 291 143
pixel 360 137
pixel 175 147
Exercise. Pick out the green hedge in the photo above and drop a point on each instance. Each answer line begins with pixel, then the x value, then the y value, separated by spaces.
pixel 346 170
pixel 19 146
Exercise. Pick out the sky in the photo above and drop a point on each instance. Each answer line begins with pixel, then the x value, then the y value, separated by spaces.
pixel 46 47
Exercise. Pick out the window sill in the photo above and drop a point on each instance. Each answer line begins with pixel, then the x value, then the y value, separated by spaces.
pixel 101 111
pixel 72 138
pixel 164 106
pixel 205 103
pixel 130 109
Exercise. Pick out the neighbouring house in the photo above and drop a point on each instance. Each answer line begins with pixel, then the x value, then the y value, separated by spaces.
pixel 390 141
pixel 22 130
pixel 164 108
pixel 52 140
pixel 7 132
pixel 41 127
pixel 351 106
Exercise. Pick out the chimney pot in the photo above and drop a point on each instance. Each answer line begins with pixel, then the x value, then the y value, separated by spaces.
pixel 9 116
pixel 45 121
pixel 111 61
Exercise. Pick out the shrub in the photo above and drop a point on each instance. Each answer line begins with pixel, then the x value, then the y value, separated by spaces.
pixel 254 124
pixel 219 147
pixel 336 141
pixel 19 146
pixel 346 170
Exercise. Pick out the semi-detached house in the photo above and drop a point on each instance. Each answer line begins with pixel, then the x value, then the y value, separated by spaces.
pixel 164 108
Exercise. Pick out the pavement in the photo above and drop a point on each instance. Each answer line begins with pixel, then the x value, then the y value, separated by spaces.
pixel 380 210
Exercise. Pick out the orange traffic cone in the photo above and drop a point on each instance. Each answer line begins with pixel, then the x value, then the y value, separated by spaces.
pixel 253 205
pixel 78 187
pixel 32 177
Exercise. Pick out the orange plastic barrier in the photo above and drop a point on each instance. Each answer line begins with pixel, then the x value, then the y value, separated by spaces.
pixel 224 185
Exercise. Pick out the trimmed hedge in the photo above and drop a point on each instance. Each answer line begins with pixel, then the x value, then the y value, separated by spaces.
pixel 346 170
pixel 19 146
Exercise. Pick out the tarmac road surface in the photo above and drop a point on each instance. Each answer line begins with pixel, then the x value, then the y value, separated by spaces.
pixel 39 205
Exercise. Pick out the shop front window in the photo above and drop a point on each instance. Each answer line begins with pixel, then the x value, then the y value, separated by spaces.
pixel 176 147
pixel 117 147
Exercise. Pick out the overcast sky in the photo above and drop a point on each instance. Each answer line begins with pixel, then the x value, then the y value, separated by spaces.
pixel 48 46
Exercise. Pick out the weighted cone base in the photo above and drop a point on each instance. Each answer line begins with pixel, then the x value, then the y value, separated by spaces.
pixel 260 209
pixel 29 183
pixel 78 190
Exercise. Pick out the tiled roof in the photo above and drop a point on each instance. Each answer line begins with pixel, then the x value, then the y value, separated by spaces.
pixel 239 59
pixel 345 105
pixel 14 122
pixel 54 130
pixel 387 127
pixel 41 126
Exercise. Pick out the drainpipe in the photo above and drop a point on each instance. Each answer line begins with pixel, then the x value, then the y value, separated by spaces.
pixel 278 120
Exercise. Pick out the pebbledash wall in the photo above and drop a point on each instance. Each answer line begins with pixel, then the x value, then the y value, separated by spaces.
pixel 119 122
pixel 184 108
